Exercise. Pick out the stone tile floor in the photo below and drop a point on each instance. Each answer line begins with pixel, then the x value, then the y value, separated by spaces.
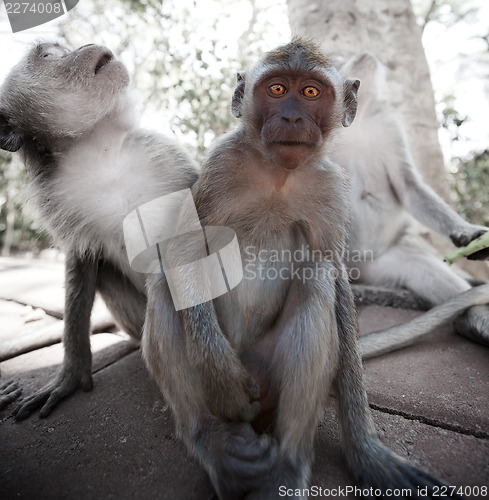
pixel 430 403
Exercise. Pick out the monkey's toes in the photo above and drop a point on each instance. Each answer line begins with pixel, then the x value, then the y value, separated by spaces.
pixel 382 470
pixel 8 393
pixel 245 460
pixel 53 393
pixel 28 405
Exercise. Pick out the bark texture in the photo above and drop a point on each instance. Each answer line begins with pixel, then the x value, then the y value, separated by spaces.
pixel 388 29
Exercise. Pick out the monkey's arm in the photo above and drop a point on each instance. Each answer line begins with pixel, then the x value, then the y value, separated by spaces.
pixel 422 202
pixel 235 457
pixel 371 463
pixel 80 275
pixel 226 384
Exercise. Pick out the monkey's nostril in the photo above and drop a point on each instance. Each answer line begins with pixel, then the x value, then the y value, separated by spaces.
pixel 292 119
pixel 85 46
pixel 103 61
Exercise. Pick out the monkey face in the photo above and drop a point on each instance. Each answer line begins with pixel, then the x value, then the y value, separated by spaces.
pixel 55 92
pixel 294 113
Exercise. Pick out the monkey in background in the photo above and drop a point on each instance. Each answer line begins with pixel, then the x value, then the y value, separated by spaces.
pixel 386 193
pixel 9 391
pixel 72 116
pixel 248 373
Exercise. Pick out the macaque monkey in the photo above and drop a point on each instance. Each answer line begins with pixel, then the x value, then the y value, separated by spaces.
pixel 247 374
pixel 71 115
pixel 386 193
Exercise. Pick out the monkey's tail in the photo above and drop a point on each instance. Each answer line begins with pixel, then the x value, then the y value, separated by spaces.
pixel 394 338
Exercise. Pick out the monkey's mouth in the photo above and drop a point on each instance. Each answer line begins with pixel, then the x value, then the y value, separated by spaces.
pixel 293 143
pixel 105 59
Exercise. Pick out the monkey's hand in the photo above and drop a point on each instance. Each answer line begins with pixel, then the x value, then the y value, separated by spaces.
pixel 375 466
pixel 8 393
pixel 463 236
pixel 238 460
pixel 228 388
pixel 477 249
pixel 70 378
pixel 232 394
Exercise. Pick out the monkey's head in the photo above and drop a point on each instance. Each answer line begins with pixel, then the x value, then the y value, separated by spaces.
pixel 56 93
pixel 372 73
pixel 292 100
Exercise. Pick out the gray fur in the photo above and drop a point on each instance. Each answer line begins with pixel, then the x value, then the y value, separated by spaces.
pixel 292 337
pixel 387 194
pixel 406 334
pixel 75 121
pixel 9 391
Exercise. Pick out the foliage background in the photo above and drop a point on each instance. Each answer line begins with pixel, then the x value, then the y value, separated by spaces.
pixel 183 57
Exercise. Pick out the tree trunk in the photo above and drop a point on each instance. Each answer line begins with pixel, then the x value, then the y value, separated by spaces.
pixel 388 29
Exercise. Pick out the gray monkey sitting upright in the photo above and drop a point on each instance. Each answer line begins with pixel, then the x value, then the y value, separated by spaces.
pixel 387 192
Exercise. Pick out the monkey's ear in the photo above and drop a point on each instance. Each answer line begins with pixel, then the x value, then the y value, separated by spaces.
pixel 350 101
pixel 238 95
pixel 10 138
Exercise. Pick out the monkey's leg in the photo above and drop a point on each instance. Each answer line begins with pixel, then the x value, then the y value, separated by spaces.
pixel 235 457
pixel 81 274
pixel 432 280
pixel 125 302
pixel 474 324
pixel 303 365
pixel 370 462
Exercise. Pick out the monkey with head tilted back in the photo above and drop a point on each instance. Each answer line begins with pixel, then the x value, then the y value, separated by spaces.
pixel 247 374
pixel 72 116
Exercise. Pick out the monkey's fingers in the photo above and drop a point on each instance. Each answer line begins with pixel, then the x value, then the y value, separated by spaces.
pixel 26 407
pixel 50 395
pixel 480 255
pixel 243 442
pixel 252 387
pixel 468 246
pixel 476 234
pixel 246 459
pixel 231 397
pixel 65 389
pixel 234 406
pixel 8 393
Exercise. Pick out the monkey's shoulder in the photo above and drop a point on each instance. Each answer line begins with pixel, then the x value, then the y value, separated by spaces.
pixel 160 148
pixel 91 189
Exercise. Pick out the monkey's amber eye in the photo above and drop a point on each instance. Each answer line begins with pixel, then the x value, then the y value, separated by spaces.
pixel 310 92
pixel 277 89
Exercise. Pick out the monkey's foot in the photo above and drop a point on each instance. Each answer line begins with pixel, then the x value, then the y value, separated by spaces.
pixel 474 324
pixel 283 476
pixel 65 384
pixel 238 460
pixel 8 393
pixel 374 466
